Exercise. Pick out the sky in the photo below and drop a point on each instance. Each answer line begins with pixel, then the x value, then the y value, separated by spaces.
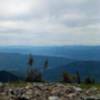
pixel 49 22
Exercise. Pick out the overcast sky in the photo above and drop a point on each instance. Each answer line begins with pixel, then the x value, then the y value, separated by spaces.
pixel 49 22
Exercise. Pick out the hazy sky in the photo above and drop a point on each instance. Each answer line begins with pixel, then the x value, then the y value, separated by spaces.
pixel 49 22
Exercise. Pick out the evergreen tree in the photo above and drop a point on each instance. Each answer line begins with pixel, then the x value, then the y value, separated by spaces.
pixel 32 73
pixel 46 64
pixel 30 69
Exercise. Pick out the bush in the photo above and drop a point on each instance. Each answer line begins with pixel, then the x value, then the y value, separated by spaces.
pixel 68 78
pixel 88 80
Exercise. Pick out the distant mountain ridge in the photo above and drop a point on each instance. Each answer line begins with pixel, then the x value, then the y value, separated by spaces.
pixel 71 52
pixel 72 58
pixel 18 63
pixel 85 68
pixel 6 76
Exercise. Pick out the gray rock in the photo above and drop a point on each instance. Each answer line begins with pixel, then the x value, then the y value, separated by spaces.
pixel 53 98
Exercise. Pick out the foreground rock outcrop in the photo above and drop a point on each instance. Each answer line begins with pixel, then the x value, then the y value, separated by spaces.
pixel 48 91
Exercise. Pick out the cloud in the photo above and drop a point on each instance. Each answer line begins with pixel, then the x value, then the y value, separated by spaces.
pixel 14 7
pixel 49 22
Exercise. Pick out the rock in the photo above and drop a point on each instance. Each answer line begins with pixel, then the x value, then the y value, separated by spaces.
pixel 69 91
pixel 28 86
pixel 77 89
pixel 1 87
pixel 89 98
pixel 1 84
pixel 91 91
pixel 53 98
pixel 21 98
pixel 28 94
pixel 50 91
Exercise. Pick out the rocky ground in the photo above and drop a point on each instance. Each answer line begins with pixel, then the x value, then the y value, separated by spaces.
pixel 48 91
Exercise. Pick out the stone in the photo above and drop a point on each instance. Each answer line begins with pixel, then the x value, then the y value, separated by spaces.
pixel 49 91
pixel 53 98
pixel 78 89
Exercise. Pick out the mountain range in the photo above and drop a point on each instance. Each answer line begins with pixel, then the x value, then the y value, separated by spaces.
pixel 85 59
